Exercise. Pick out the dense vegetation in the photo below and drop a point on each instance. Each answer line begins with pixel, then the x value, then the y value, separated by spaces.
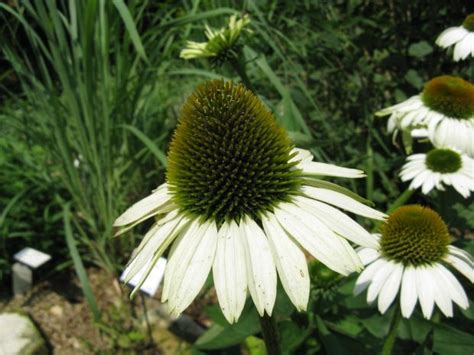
pixel 91 90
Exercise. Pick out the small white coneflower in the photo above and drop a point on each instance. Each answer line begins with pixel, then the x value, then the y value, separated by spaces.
pixel 439 167
pixel 221 44
pixel 444 110
pixel 461 37
pixel 242 201
pixel 411 260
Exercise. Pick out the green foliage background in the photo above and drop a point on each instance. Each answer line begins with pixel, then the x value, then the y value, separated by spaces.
pixel 322 67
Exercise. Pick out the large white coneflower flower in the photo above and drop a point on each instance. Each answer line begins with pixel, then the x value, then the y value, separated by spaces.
pixel 461 37
pixel 241 200
pixel 445 109
pixel 221 44
pixel 411 259
pixel 439 167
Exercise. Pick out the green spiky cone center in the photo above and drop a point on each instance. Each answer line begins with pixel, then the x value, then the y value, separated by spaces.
pixel 449 95
pixel 228 157
pixel 414 235
pixel 443 161
pixel 468 23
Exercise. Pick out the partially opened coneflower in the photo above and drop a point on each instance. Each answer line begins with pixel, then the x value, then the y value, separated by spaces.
pixel 440 167
pixel 445 109
pixel 240 199
pixel 221 44
pixel 411 259
pixel 461 37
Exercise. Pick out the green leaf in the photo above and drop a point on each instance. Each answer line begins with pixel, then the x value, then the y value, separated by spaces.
pixel 78 266
pixel 420 49
pixel 131 28
pixel 413 78
pixel 157 152
pixel 449 340
pixel 255 346
pixel 291 336
pixel 222 336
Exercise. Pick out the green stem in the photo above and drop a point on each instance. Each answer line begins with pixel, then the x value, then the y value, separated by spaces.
pixel 270 335
pixel 401 200
pixel 392 334
pixel 239 67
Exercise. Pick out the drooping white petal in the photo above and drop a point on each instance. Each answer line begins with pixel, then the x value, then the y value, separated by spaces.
pixel 379 280
pixel 261 272
pixel 455 289
pixel 425 291
pixel 144 207
pixel 461 265
pixel 194 266
pixel 368 255
pixel 441 293
pixel 462 49
pixel 366 276
pixel 320 241
pixel 390 288
pixel 156 240
pixel 230 279
pixel 338 222
pixel 342 201
pixel 290 262
pixel 409 291
pixel 323 169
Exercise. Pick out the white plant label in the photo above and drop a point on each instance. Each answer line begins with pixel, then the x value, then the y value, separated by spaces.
pixel 31 257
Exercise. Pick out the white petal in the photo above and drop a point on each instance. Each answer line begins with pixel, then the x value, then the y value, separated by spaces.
pixel 290 262
pixel 155 242
pixel 455 289
pixel 338 222
pixel 425 291
pixel 230 279
pixel 314 168
pixel 463 48
pixel 366 276
pixel 144 207
pixel 191 260
pixel 261 272
pixel 450 36
pixel 379 280
pixel 461 265
pixel 302 156
pixel 441 293
pixel 368 255
pixel 342 201
pixel 315 237
pixel 390 288
pixel 409 293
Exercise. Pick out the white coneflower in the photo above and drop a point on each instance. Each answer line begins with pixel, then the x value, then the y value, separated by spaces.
pixel 445 109
pixel 241 200
pixel 414 250
pixel 220 45
pixel 438 167
pixel 461 37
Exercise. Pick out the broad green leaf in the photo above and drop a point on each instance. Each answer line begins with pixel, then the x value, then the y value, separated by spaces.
pixel 420 49
pixel 449 340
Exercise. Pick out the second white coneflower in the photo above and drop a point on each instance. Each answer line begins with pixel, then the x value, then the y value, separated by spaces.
pixel 445 110
pixel 242 201
pixel 438 168
pixel 460 37
pixel 411 258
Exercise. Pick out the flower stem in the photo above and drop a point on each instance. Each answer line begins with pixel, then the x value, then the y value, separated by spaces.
pixel 392 334
pixel 239 67
pixel 270 335
pixel 400 201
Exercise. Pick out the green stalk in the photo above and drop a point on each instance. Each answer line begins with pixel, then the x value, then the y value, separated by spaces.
pixel 270 335
pixel 401 200
pixel 392 334
pixel 240 68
